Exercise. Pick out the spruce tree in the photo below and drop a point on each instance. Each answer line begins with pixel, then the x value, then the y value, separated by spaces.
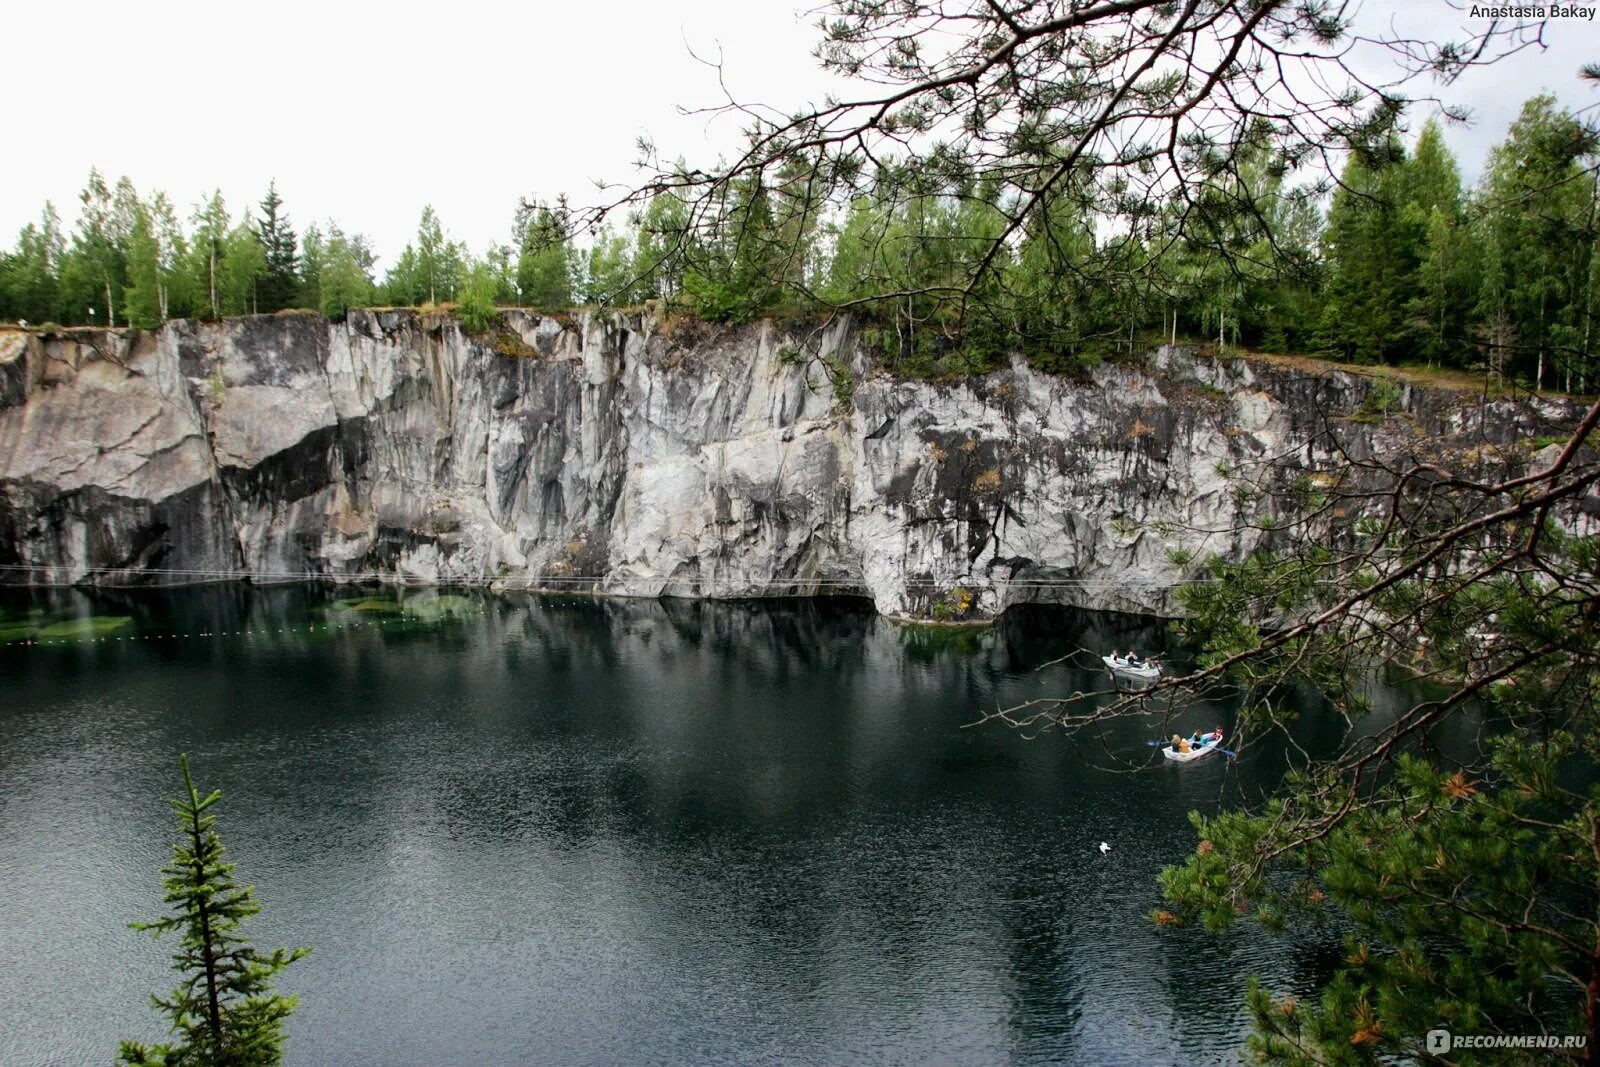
pixel 279 284
pixel 224 1012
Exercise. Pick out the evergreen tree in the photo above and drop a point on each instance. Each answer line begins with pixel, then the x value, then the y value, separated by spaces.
pixel 1367 260
pixel 224 1012
pixel 278 284
pixel 1537 197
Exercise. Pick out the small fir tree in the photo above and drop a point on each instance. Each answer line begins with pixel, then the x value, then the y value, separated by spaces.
pixel 224 1012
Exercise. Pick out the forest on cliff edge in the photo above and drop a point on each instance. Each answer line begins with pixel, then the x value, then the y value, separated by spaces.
pixel 1395 262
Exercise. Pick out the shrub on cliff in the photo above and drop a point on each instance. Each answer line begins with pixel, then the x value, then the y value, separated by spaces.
pixel 476 304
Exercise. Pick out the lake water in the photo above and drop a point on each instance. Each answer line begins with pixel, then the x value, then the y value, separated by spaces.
pixel 564 830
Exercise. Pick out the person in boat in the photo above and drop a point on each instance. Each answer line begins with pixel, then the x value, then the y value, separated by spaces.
pixel 1180 743
pixel 1216 735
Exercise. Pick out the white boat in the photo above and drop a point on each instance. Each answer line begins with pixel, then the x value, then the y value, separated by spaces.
pixel 1123 669
pixel 1195 752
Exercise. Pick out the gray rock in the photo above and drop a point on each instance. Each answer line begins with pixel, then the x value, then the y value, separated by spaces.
pixel 626 456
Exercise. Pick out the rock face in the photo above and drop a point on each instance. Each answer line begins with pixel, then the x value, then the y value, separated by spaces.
pixel 624 455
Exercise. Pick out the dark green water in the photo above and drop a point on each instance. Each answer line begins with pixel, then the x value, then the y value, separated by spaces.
pixel 569 831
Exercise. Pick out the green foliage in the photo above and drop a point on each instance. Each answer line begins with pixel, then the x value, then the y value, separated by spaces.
pixel 1407 266
pixel 224 1012
pixel 1383 396
pixel 277 284
pixel 546 272
pixel 430 269
pixel 610 280
pixel 344 273
pixel 244 263
pixel 476 306
pixel 1456 888
pixel 1467 888
pixel 142 297
pixel 841 380
pixel 954 605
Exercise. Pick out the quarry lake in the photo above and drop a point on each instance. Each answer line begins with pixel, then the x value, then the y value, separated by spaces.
pixel 566 830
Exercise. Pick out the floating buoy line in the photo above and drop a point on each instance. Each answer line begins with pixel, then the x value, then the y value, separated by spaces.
pixel 583 583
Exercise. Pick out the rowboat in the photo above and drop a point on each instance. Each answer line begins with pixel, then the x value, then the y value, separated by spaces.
pixel 1195 751
pixel 1124 669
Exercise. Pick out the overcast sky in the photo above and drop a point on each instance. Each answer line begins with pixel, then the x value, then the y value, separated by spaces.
pixel 364 112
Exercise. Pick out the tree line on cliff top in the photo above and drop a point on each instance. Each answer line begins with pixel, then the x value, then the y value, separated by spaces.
pixel 1400 264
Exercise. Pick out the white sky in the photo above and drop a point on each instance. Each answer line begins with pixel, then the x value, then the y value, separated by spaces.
pixel 364 112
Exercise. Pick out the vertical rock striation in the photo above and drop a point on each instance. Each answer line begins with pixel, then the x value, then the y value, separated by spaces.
pixel 627 455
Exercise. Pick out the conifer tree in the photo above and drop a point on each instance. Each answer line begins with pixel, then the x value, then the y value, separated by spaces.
pixel 279 285
pixel 1536 195
pixel 224 1012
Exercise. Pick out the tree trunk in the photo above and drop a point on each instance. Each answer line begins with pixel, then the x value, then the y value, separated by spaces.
pixel 208 949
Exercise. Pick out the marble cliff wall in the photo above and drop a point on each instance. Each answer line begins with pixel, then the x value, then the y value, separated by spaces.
pixel 621 454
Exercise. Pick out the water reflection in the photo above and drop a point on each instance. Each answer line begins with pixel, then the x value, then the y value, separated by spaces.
pixel 578 830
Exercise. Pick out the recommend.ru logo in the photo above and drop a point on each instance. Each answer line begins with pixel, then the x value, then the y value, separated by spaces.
pixel 1440 1042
